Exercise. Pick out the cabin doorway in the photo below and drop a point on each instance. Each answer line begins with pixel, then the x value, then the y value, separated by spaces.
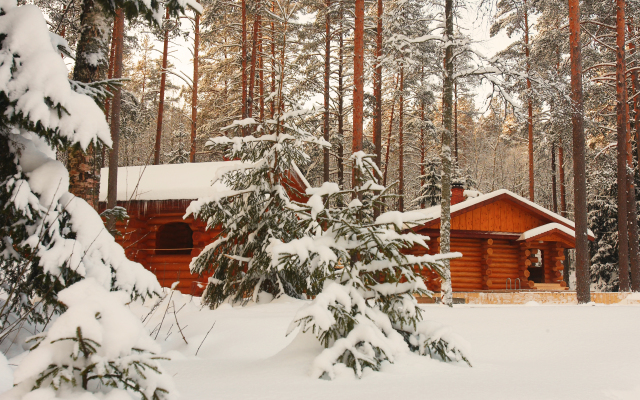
pixel 174 238
pixel 537 269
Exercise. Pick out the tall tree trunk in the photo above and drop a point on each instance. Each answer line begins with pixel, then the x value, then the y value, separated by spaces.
pixel 112 186
pixel 377 114
pixel 621 97
pixel 635 84
pixel 261 75
pixel 401 144
pixel 455 122
pixel 194 93
pixel 163 82
pixel 563 207
pixel 529 101
pixel 358 80
pixel 243 51
pixel 107 103
pixel 327 73
pixel 422 141
pixel 341 106
pixel 554 197
pixel 447 115
pixel 580 177
pixel 273 59
pixel 94 39
pixel 633 211
pixel 254 60
pixel 386 157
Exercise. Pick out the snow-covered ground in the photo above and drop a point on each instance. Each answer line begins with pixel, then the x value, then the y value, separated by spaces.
pixel 519 352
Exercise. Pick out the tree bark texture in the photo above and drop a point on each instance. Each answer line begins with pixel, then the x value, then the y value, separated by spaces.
pixel 358 78
pixel 112 186
pixel 621 97
pixel 340 109
pixel 194 92
pixel 163 82
pixel 529 103
pixel 327 73
pixel 94 39
pixel 580 178
pixel 377 115
pixel 401 144
pixel 554 190
pixel 447 117
pixel 254 61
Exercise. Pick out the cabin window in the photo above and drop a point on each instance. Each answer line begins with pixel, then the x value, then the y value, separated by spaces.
pixel 174 238
pixel 537 269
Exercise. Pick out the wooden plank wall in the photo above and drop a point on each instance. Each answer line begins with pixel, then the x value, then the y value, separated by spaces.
pixel 502 265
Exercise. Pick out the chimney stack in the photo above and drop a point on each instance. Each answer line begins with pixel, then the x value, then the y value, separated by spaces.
pixel 457 194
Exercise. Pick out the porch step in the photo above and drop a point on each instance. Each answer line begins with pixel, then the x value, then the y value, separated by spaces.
pixel 549 287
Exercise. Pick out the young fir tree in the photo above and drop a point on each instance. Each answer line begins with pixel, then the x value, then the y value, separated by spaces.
pixel 255 211
pixel 97 346
pixel 603 222
pixel 431 190
pixel 49 238
pixel 366 312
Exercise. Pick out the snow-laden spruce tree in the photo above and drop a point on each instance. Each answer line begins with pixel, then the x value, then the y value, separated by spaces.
pixel 431 190
pixel 49 239
pixel 255 211
pixel 97 346
pixel 366 312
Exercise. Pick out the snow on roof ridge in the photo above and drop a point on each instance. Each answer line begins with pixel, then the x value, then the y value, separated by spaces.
pixel 546 228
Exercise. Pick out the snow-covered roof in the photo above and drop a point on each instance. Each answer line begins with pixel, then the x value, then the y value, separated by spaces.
pixel 187 181
pixel 531 233
pixel 433 213
pixel 165 182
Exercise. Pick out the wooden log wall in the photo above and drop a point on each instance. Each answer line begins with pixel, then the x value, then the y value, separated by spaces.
pixel 467 272
pixel 139 239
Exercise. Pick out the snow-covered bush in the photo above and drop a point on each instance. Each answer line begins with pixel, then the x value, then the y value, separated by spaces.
pixel 255 211
pixel 366 312
pixel 98 345
pixel 49 239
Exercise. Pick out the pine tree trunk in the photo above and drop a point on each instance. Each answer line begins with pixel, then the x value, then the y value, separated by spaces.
pixel 455 121
pixel 529 102
pixel 447 115
pixel 386 157
pixel 554 197
pixel 112 187
pixel 341 109
pixel 163 81
pixel 261 75
pixel 358 80
pixel 422 142
pixel 83 179
pixel 563 207
pixel 273 59
pixel 621 97
pixel 327 73
pixel 580 177
pixel 401 144
pixel 377 115
pixel 194 93
pixel 254 60
pixel 243 50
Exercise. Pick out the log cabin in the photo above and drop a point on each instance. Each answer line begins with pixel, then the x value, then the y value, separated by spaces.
pixel 156 198
pixel 507 243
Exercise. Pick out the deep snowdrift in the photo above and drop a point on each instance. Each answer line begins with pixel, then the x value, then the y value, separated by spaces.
pixel 518 352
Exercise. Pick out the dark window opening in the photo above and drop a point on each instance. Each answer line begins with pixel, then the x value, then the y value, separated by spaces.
pixel 174 238
pixel 537 269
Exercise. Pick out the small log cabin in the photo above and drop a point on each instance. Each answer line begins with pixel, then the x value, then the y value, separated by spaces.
pixel 506 241
pixel 156 198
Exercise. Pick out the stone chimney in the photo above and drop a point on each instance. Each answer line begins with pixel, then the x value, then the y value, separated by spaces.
pixel 457 194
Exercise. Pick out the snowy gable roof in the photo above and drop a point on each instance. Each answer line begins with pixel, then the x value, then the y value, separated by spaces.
pixel 433 213
pixel 541 230
pixel 165 182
